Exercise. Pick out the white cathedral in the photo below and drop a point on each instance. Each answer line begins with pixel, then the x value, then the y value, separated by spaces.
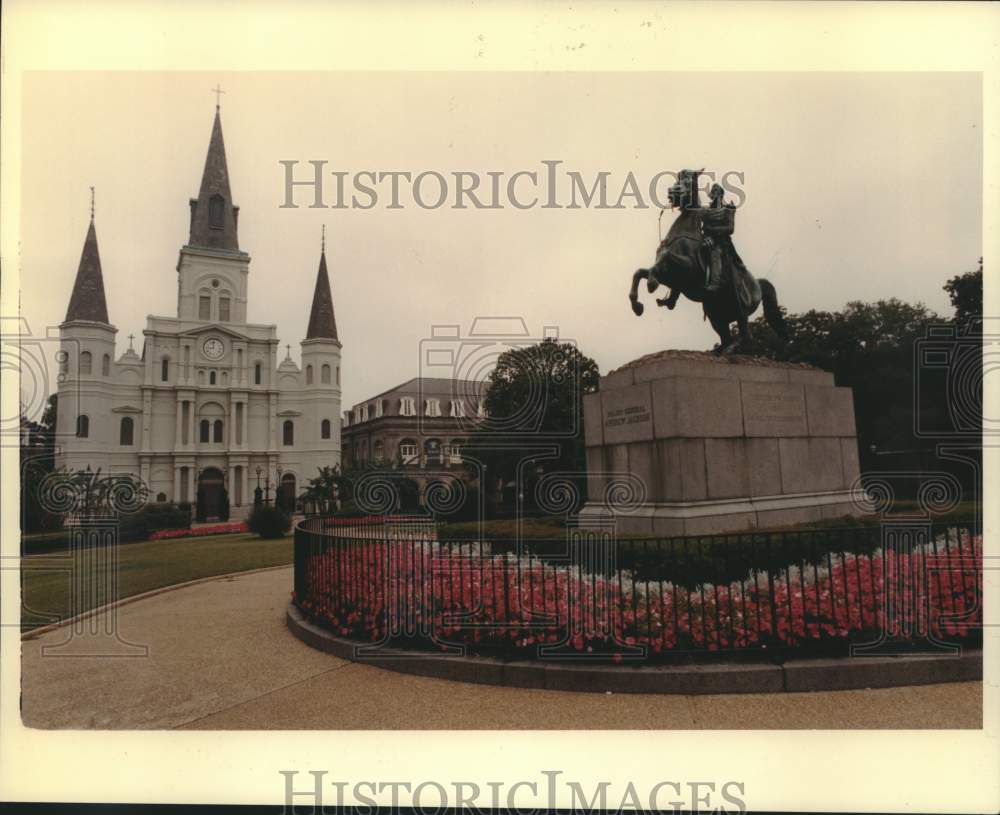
pixel 206 403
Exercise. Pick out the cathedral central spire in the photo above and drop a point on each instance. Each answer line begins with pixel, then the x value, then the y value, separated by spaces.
pixel 213 216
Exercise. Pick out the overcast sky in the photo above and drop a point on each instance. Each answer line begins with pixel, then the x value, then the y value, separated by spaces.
pixel 858 186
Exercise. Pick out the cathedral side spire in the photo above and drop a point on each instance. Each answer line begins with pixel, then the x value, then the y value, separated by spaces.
pixel 87 301
pixel 322 323
pixel 213 216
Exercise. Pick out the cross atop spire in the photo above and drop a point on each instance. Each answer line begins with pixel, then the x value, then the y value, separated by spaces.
pixel 322 240
pixel 91 204
pixel 217 90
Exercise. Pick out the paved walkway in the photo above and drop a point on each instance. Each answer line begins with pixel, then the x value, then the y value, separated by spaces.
pixel 220 657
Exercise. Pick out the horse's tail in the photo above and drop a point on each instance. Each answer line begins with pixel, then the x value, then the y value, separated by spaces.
pixel 772 312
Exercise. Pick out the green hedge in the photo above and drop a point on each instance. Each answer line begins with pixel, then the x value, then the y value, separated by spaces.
pixel 149 519
pixel 268 521
pixel 691 561
pixel 533 528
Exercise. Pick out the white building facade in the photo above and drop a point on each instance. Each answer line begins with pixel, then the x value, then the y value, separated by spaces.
pixel 206 402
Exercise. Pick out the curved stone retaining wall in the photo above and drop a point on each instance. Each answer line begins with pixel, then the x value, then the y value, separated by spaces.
pixel 793 675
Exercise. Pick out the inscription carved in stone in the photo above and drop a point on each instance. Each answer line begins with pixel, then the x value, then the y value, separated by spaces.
pixel 774 410
pixel 627 415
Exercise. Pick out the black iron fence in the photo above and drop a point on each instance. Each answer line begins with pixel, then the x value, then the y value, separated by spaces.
pixel 391 580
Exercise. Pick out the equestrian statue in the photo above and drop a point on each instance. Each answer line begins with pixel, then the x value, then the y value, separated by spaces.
pixel 697 259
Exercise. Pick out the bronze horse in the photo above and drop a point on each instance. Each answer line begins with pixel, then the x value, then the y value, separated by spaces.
pixel 681 266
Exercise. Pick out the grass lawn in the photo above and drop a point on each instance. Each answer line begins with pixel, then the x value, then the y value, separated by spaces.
pixel 145 566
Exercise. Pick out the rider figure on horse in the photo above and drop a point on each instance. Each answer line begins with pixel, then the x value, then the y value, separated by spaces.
pixel 697 259
pixel 716 225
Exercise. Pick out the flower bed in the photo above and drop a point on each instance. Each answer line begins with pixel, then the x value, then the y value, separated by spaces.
pixel 424 591
pixel 215 529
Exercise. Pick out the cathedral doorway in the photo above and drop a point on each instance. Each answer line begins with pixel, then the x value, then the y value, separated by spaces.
pixel 210 488
pixel 288 495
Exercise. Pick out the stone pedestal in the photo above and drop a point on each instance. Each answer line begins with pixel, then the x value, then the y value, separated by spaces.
pixel 719 444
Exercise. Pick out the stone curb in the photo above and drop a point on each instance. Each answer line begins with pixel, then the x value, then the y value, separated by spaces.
pixel 793 676
pixel 134 598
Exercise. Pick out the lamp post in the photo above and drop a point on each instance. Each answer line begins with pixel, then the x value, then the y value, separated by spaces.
pixel 257 491
pixel 88 488
pixel 277 486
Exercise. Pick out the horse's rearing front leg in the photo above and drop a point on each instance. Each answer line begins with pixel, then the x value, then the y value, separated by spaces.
pixel 633 295
pixel 671 300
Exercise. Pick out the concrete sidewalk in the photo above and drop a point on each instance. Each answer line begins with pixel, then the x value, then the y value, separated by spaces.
pixel 220 657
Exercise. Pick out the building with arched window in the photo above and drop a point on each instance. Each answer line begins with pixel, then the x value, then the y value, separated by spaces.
pixel 420 426
pixel 206 398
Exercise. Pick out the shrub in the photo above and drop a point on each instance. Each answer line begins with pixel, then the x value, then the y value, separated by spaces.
pixel 408 492
pixel 268 521
pixel 348 509
pixel 140 525
pixel 530 529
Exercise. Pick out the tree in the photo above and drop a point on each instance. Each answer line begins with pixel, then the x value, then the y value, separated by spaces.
pixel 323 490
pixel 872 348
pixel 37 462
pixel 86 494
pixel 358 482
pixel 534 400
pixel 868 347
pixel 966 294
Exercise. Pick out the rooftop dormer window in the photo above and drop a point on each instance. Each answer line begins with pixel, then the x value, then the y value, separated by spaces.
pixel 407 406
pixel 433 407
